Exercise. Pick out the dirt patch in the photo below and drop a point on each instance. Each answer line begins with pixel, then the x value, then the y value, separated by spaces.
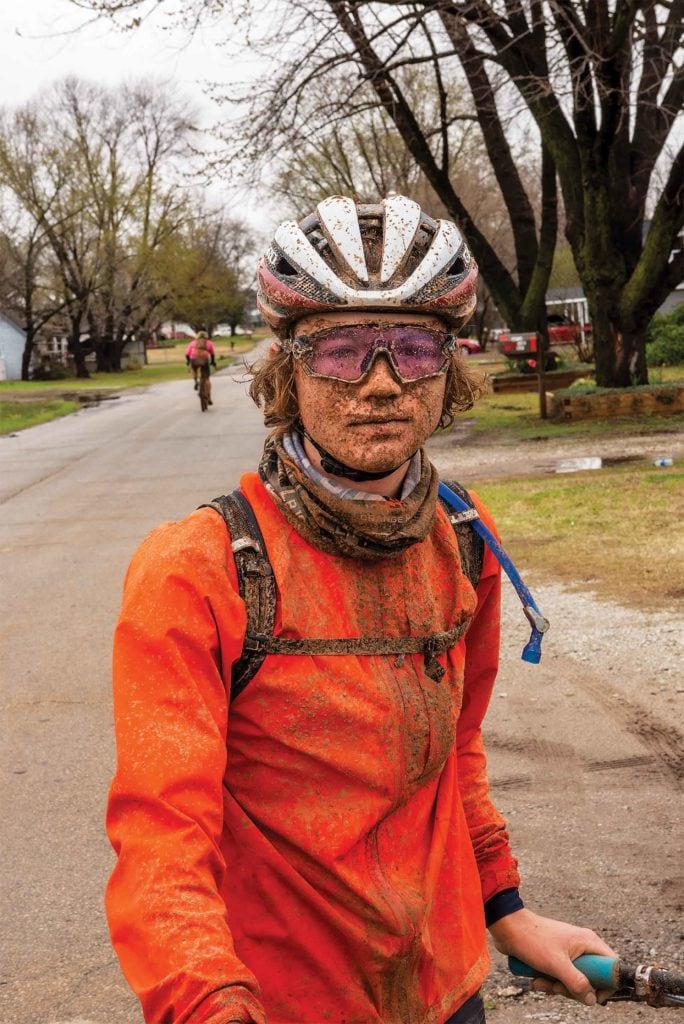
pixel 585 754
pixel 460 454
pixel 585 750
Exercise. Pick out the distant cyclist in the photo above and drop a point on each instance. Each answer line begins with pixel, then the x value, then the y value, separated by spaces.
pixel 202 359
pixel 190 355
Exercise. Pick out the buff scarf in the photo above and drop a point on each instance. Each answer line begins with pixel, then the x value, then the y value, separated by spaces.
pixel 342 526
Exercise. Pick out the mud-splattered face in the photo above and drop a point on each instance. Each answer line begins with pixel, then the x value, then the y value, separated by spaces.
pixel 379 423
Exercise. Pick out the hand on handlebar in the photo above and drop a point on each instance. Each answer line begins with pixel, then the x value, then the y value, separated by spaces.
pixel 549 947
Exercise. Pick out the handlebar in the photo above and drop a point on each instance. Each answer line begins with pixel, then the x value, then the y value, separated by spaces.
pixel 655 986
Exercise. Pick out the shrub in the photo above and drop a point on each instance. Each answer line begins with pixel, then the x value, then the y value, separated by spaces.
pixel 50 371
pixel 133 364
pixel 665 342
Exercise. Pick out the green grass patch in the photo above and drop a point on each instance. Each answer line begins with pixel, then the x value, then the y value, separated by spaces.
pixel 19 415
pixel 616 531
pixel 515 417
pixel 665 374
pixel 126 379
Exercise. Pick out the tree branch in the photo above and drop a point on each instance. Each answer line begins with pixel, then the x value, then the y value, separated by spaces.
pixel 401 114
pixel 518 205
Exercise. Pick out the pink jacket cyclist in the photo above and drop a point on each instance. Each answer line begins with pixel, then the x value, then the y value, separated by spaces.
pixel 190 350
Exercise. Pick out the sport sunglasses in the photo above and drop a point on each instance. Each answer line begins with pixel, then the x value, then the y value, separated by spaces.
pixel 347 353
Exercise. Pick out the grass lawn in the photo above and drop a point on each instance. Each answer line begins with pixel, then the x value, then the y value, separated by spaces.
pixel 616 531
pixel 153 374
pixel 17 415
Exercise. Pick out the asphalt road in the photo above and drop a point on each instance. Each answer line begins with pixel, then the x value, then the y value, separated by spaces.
pixel 77 496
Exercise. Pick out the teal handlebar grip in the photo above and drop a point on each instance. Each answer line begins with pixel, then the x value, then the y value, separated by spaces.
pixel 602 971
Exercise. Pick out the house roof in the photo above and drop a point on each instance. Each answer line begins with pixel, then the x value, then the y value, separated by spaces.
pixel 12 323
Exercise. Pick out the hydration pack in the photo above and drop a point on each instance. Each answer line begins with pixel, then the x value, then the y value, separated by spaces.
pixel 257 587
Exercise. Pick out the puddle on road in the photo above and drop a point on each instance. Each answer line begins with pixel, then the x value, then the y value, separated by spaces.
pixel 619 460
pixel 93 398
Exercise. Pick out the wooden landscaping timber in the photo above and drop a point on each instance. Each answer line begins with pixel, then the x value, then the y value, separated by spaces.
pixel 658 400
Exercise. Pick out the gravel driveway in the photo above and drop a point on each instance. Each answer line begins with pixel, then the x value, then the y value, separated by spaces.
pixel 587 749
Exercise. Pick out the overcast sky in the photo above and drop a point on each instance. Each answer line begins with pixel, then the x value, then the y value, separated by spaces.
pixel 39 43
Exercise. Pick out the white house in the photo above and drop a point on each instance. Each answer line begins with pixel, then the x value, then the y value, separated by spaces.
pixel 12 342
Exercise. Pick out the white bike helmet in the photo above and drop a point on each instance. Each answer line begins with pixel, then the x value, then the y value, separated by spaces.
pixel 385 256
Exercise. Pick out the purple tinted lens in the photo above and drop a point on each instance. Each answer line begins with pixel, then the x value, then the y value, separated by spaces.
pixel 347 353
pixel 339 354
pixel 418 353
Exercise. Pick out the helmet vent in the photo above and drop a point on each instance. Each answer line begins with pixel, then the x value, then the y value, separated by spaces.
pixel 456 268
pixel 285 269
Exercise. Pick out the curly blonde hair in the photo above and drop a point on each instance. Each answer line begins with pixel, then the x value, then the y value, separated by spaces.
pixel 273 390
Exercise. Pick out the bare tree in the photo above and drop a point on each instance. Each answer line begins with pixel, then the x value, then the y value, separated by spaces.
pixel 126 141
pixel 601 85
pixel 365 157
pixel 39 167
pixel 29 287
pixel 428 113
pixel 604 84
pixel 89 167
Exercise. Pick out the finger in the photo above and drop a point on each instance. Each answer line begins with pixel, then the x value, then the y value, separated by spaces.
pixel 577 985
pixel 550 987
pixel 543 985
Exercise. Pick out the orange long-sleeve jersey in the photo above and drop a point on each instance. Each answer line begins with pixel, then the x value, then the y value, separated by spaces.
pixel 320 851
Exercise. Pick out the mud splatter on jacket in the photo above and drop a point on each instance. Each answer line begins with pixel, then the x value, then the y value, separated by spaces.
pixel 332 836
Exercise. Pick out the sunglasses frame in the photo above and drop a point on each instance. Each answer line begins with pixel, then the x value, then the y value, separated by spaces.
pixel 303 346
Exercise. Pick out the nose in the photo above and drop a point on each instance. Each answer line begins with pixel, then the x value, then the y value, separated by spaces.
pixel 380 380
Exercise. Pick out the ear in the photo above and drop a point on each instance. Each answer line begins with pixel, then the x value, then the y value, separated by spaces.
pixel 274 350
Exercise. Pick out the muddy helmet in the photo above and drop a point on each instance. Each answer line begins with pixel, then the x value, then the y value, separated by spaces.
pixel 387 256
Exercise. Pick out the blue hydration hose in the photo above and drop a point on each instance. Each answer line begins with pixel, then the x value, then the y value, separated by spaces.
pixel 532 650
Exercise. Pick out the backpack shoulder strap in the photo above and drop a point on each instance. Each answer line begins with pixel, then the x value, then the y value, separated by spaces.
pixel 256 583
pixel 470 543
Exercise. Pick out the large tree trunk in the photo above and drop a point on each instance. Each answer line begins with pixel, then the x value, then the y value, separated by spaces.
pixel 107 355
pixel 606 255
pixel 107 358
pixel 26 355
pixel 120 342
pixel 77 350
pixel 619 348
pixel 30 339
pixel 79 359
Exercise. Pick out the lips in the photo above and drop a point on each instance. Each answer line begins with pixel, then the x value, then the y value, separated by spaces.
pixel 378 421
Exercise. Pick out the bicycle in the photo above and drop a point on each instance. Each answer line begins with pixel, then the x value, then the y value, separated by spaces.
pixel 204 392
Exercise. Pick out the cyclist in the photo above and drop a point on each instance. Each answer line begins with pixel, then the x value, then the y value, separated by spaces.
pixel 324 846
pixel 201 360
pixel 190 355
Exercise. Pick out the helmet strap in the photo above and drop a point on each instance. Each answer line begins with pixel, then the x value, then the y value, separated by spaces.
pixel 335 468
